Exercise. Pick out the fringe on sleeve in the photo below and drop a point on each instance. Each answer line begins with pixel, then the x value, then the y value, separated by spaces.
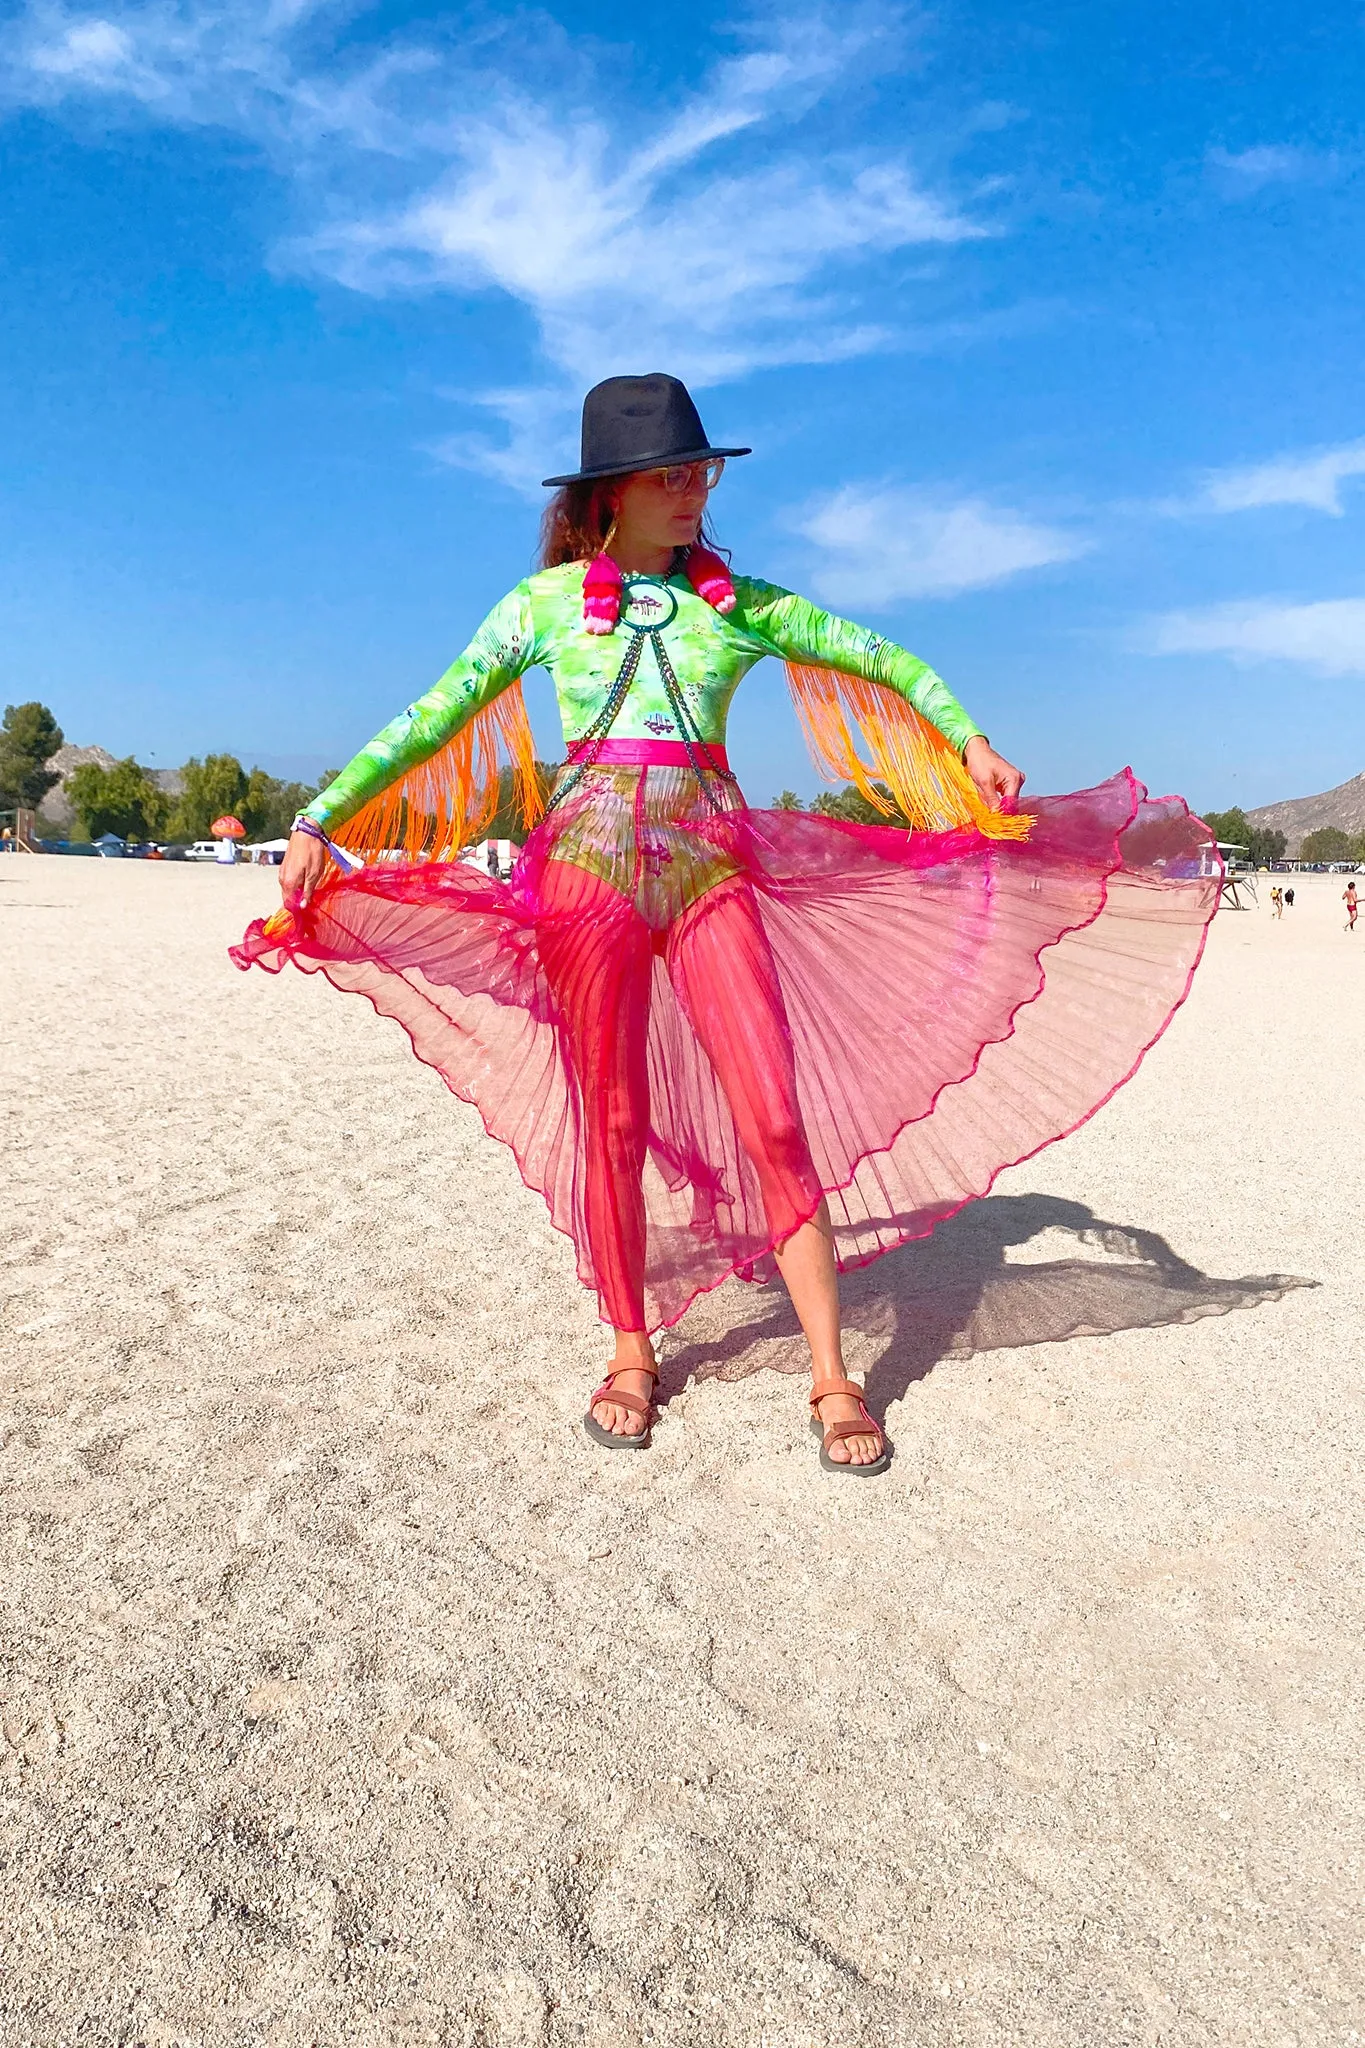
pixel 910 758
pixel 436 808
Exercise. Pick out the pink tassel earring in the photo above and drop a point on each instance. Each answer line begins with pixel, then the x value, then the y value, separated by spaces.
pixel 710 579
pixel 602 590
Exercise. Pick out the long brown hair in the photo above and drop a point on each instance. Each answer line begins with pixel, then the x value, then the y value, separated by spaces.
pixel 578 519
pixel 576 523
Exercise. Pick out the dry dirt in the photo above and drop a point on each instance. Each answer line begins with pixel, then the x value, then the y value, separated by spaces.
pixel 350 1696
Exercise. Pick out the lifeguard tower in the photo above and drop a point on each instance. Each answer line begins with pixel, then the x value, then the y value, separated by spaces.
pixel 1238 888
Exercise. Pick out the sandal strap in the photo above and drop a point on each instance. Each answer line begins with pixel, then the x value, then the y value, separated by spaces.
pixel 817 1394
pixel 634 1404
pixel 838 1431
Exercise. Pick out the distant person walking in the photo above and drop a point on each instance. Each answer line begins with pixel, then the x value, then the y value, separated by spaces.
pixel 1277 902
pixel 1349 899
pixel 1289 899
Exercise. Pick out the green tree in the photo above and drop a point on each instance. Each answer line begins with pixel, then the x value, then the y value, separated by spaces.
pixel 507 822
pixel 121 799
pixel 269 806
pixel 1230 827
pixel 788 801
pixel 29 737
pixel 851 805
pixel 1328 843
pixel 1261 842
pixel 1266 846
pixel 214 787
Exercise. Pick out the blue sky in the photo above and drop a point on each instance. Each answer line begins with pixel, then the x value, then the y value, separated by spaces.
pixel 1046 322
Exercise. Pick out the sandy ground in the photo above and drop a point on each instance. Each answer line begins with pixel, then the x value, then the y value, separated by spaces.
pixel 349 1696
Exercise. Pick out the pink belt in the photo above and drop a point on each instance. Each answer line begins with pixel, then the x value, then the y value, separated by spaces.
pixel 649 754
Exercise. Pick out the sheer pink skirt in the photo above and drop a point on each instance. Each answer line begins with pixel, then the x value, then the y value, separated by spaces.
pixel 691 1027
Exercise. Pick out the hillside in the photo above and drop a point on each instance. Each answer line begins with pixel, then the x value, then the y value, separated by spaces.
pixel 57 809
pixel 1297 816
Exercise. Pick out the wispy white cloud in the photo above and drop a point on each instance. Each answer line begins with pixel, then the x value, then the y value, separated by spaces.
pixel 538 433
pixel 630 250
pixel 1312 478
pixel 630 241
pixel 93 52
pixel 723 275
pixel 181 63
pixel 1242 173
pixel 879 545
pixel 1328 636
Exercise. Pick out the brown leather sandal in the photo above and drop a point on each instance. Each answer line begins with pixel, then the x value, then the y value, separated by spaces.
pixel 839 1431
pixel 634 1404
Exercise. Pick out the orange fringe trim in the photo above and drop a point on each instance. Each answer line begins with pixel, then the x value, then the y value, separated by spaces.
pixel 439 806
pixel 923 773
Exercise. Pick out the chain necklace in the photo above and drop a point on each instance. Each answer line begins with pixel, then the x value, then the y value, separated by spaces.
pixel 597 732
pixel 698 753
pixel 691 737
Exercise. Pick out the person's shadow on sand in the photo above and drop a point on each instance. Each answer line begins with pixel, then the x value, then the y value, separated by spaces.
pixel 955 1293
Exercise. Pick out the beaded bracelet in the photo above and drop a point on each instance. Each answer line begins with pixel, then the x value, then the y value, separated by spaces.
pixel 347 862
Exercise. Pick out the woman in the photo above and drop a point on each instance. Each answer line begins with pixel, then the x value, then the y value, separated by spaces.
pixel 718 1038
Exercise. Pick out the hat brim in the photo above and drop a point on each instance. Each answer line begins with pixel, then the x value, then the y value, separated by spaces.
pixel 670 461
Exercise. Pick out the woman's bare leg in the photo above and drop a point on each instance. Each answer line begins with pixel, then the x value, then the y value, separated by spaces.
pixel 596 952
pixel 633 1367
pixel 723 970
pixel 806 1263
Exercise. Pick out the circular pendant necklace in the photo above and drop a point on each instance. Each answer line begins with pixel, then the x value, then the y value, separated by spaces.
pixel 648 604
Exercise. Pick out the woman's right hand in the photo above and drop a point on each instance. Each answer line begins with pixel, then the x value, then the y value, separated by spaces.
pixel 305 863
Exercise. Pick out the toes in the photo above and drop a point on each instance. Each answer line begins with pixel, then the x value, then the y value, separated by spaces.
pixel 616 1420
pixel 851 1450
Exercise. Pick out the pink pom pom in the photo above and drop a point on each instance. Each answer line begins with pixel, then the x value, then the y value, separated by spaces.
pixel 710 579
pixel 602 595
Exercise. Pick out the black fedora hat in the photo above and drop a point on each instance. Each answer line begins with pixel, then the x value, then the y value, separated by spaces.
pixel 640 423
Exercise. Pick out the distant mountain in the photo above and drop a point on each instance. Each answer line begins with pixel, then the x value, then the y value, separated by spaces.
pixel 67 759
pixel 58 809
pixel 1297 816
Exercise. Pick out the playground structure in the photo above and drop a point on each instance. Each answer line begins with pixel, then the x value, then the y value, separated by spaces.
pixel 17 832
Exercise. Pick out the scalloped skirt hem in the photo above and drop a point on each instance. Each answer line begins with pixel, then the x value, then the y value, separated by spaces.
pixel 691 1025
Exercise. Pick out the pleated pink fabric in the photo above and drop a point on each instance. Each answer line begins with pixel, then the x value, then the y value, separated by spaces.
pixel 689 1026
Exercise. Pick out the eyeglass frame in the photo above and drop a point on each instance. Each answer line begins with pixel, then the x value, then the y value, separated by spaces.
pixel 687 470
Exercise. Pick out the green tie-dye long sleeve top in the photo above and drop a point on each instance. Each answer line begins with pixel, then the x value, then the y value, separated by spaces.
pixel 540 623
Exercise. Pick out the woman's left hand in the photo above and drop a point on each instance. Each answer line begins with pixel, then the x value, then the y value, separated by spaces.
pixel 998 780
